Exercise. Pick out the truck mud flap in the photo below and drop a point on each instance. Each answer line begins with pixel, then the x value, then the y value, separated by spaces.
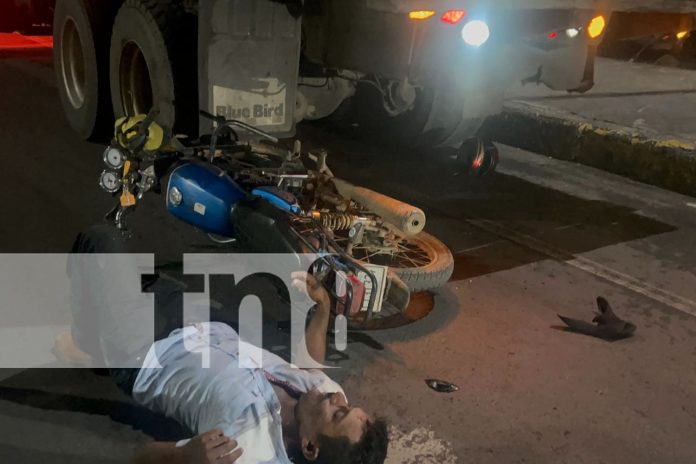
pixel 249 53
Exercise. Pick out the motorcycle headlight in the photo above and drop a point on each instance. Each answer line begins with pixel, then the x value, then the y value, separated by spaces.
pixel 476 33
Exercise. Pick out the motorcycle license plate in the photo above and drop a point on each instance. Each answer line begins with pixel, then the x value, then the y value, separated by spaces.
pixel 349 287
pixel 362 289
pixel 380 273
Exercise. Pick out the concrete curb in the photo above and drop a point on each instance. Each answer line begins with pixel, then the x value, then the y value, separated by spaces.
pixel 655 159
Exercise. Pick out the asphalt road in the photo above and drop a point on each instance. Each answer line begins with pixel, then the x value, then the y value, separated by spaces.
pixel 541 237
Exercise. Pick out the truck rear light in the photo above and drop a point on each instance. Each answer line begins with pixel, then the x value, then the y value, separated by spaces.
pixel 596 27
pixel 553 35
pixel 421 14
pixel 453 16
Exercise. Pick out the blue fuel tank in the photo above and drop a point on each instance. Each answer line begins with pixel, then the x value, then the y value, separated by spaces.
pixel 203 196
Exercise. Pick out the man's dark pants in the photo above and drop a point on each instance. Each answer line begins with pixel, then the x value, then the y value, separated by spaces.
pixel 111 324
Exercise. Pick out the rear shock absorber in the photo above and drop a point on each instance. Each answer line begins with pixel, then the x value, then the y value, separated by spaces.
pixel 336 221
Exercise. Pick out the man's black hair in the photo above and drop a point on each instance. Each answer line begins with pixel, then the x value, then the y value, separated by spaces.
pixel 371 449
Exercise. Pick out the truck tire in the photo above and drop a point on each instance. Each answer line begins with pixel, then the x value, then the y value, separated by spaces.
pixel 409 128
pixel 81 31
pixel 153 62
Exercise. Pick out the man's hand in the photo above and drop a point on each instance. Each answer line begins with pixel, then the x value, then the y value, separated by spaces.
pixel 315 335
pixel 310 286
pixel 211 448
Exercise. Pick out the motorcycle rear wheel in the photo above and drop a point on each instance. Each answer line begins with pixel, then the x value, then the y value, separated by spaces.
pixel 423 262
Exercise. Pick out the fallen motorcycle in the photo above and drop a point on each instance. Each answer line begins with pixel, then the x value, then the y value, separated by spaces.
pixel 270 199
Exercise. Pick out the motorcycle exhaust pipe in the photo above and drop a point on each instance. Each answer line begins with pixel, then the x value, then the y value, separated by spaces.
pixel 406 218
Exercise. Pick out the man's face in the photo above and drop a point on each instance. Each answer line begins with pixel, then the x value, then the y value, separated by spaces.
pixel 329 414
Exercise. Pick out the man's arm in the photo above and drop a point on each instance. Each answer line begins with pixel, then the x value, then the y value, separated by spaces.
pixel 208 448
pixel 315 335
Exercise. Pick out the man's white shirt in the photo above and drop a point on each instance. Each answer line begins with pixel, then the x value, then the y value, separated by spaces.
pixel 205 377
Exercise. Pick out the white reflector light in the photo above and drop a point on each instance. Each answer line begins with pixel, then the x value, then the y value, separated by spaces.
pixel 476 33
pixel 572 32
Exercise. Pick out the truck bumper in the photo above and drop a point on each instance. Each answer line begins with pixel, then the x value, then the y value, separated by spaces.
pixel 470 84
pixel 475 89
pixel 467 83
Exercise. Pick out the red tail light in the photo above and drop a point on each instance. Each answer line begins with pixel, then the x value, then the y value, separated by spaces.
pixel 453 16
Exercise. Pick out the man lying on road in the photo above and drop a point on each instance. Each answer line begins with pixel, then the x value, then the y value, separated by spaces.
pixel 271 413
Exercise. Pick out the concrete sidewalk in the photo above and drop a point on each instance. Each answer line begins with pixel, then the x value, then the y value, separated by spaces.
pixel 638 121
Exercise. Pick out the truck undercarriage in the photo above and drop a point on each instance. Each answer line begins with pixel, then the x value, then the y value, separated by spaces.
pixel 273 63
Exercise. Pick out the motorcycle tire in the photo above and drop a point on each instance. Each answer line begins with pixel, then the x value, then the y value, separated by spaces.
pixel 153 62
pixel 436 273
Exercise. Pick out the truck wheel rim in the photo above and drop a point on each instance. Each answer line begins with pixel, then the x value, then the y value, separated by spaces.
pixel 73 64
pixel 136 85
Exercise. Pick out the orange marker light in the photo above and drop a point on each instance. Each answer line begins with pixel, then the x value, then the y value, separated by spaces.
pixel 682 34
pixel 453 16
pixel 596 27
pixel 421 14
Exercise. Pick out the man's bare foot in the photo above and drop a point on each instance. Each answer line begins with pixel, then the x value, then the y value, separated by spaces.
pixel 67 351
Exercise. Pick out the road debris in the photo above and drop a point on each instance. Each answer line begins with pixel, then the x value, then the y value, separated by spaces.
pixel 441 386
pixel 606 325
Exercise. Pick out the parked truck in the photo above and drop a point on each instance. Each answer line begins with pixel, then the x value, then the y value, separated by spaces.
pixel 273 63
